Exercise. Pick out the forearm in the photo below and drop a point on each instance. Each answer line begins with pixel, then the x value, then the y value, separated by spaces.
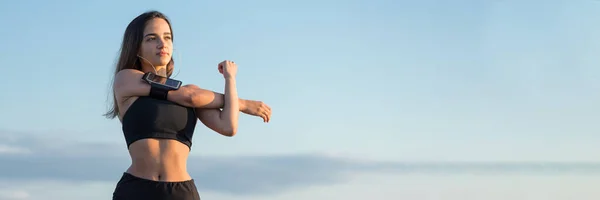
pixel 229 115
pixel 196 97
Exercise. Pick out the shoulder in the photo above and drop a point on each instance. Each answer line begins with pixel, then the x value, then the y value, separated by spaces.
pixel 128 72
pixel 127 75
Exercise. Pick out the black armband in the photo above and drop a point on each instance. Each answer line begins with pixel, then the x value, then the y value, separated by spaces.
pixel 158 92
pixel 160 86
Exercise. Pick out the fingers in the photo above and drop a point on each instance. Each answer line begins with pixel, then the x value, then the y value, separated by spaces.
pixel 228 68
pixel 266 112
pixel 263 115
pixel 258 109
pixel 222 63
pixel 266 115
pixel 225 64
pixel 221 66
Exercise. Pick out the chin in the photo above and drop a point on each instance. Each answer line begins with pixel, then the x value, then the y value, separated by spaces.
pixel 164 61
pixel 160 62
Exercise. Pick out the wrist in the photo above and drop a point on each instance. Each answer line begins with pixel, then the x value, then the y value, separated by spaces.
pixel 229 77
pixel 242 104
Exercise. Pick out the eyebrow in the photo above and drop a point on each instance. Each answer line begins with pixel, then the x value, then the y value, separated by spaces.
pixel 154 34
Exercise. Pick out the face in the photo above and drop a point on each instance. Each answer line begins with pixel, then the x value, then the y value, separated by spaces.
pixel 157 45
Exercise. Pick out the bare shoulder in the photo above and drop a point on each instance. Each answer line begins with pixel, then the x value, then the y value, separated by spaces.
pixel 127 74
pixel 127 87
pixel 126 77
pixel 128 83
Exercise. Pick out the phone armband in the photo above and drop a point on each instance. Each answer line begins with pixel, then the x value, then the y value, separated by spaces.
pixel 158 92
pixel 160 86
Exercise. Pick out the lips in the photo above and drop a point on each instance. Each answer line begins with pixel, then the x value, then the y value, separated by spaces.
pixel 162 53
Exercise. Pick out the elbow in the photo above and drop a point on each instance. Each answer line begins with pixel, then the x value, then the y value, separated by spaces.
pixel 229 125
pixel 229 131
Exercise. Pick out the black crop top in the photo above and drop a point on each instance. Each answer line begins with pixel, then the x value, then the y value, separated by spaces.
pixel 148 117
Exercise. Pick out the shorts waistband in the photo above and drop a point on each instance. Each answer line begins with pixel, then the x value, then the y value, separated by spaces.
pixel 127 175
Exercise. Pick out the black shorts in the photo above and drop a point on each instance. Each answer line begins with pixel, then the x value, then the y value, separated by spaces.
pixel 133 188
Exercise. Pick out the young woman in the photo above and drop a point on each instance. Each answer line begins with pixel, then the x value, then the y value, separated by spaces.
pixel 158 129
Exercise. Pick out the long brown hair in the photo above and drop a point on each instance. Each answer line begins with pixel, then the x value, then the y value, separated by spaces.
pixel 132 41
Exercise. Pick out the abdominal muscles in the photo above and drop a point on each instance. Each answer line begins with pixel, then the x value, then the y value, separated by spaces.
pixel 159 160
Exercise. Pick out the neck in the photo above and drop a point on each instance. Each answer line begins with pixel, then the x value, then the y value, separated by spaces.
pixel 160 70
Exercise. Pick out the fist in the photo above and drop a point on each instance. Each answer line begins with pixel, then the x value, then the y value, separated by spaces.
pixel 257 108
pixel 228 69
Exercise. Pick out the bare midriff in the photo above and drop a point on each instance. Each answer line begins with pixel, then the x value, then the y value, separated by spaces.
pixel 159 160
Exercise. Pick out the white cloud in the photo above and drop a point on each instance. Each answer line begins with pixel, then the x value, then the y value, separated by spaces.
pixel 55 190
pixel 14 195
pixel 7 149
pixel 55 170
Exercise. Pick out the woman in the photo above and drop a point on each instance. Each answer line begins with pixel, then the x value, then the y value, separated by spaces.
pixel 158 130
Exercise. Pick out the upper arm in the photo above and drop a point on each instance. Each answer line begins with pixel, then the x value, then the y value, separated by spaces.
pixel 128 83
pixel 211 118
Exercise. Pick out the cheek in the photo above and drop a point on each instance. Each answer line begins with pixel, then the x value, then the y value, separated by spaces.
pixel 145 50
pixel 169 44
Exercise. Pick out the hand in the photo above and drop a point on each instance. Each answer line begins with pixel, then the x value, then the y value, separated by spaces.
pixel 257 108
pixel 228 69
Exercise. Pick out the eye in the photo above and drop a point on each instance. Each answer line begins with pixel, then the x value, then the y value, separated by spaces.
pixel 150 39
pixel 168 37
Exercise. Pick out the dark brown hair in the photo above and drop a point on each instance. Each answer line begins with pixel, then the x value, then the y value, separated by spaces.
pixel 132 41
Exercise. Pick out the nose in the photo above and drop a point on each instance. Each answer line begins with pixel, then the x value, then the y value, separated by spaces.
pixel 161 43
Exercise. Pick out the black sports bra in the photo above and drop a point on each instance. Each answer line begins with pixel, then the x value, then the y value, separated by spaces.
pixel 148 117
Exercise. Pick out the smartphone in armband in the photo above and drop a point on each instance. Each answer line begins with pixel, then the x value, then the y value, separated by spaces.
pixel 161 81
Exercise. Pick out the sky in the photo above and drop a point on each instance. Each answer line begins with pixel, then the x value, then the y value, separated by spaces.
pixel 371 99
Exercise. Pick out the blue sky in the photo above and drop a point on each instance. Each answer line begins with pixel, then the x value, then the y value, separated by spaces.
pixel 380 81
